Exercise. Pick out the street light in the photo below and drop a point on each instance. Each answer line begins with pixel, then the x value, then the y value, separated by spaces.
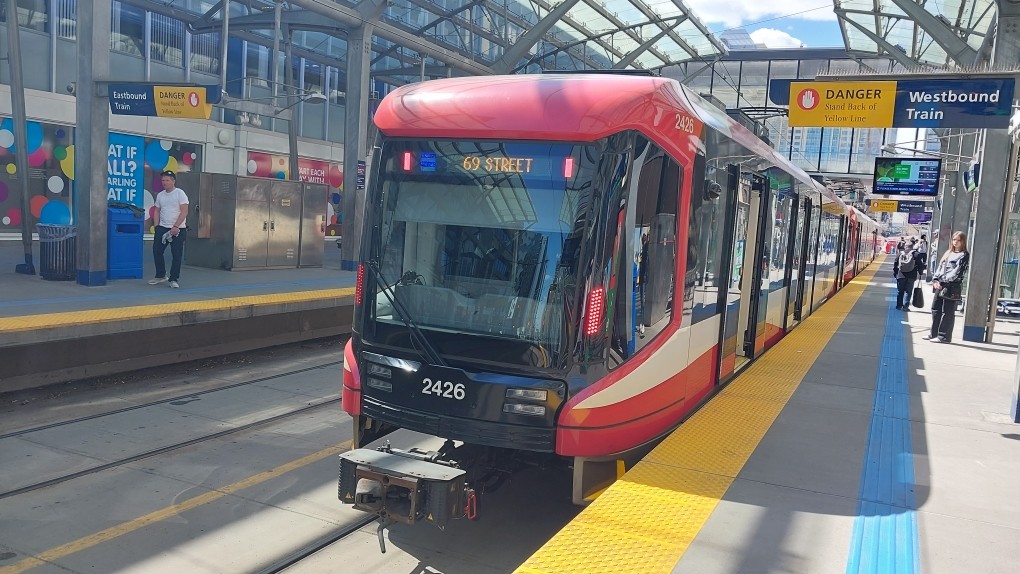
pixel 252 106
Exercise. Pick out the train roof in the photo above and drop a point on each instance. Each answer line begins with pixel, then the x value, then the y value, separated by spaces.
pixel 563 107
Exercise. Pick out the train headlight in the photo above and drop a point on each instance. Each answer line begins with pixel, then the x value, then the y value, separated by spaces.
pixel 527 394
pixel 379 384
pixel 530 410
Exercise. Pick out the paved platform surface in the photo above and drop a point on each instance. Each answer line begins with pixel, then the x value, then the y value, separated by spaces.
pixel 24 295
pixel 853 446
pixel 290 304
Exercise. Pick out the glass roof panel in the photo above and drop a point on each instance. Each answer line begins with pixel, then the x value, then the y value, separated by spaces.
pixel 966 19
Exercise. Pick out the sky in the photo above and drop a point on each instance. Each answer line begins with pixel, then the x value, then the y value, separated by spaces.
pixel 788 24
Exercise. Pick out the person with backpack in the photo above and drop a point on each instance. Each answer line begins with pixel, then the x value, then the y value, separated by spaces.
pixel 905 269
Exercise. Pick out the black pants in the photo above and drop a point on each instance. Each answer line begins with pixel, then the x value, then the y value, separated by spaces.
pixel 943 316
pixel 904 288
pixel 176 252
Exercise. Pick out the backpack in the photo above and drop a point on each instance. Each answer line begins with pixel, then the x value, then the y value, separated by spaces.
pixel 906 261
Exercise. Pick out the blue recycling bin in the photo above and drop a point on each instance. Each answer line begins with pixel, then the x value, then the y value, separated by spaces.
pixel 124 243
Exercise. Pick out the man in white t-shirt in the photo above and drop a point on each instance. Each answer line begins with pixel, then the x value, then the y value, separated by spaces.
pixel 169 215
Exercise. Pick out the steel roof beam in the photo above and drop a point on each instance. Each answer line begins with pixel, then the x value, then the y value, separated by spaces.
pixel 621 26
pixel 296 19
pixel 629 58
pixel 945 36
pixel 350 17
pixel 207 18
pixel 894 52
pixel 643 8
pixel 524 44
pixel 561 47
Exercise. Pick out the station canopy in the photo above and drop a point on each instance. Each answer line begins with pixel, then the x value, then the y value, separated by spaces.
pixel 416 39
pixel 422 39
pixel 919 34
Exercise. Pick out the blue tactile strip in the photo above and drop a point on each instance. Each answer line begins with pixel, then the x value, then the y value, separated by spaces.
pixel 885 536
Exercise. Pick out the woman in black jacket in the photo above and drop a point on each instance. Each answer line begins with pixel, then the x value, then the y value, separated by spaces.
pixel 947 282
pixel 908 263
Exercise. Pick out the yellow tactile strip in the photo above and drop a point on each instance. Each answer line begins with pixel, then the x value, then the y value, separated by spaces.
pixel 95 316
pixel 645 522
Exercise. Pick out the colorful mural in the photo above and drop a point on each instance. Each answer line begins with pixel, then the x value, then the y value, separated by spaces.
pixel 50 166
pixel 51 171
pixel 311 170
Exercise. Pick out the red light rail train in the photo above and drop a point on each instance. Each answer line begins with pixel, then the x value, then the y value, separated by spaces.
pixel 558 269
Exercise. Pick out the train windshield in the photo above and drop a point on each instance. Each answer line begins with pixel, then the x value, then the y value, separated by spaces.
pixel 479 242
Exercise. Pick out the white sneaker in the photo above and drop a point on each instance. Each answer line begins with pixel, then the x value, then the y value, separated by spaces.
pixel 157 280
pixel 174 285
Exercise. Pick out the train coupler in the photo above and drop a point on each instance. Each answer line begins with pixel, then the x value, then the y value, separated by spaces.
pixel 404 486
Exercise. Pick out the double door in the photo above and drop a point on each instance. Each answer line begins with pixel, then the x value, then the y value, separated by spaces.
pixel 769 229
pixel 267 225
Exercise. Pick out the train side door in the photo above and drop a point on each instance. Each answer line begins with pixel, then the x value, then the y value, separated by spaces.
pixel 840 250
pixel 755 289
pixel 731 353
pixel 795 264
pixel 805 271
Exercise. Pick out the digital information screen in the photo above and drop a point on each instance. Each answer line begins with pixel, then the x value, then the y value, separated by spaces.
pixel 907 176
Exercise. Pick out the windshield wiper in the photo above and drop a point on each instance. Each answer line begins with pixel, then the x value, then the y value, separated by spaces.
pixel 418 339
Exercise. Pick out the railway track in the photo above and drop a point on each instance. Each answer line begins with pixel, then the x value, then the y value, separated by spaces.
pixel 27 433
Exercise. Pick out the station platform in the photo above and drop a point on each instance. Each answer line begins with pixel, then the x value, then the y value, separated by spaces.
pixel 55 331
pixel 853 446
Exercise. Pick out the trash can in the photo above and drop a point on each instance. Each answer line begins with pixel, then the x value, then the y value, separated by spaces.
pixel 124 242
pixel 58 248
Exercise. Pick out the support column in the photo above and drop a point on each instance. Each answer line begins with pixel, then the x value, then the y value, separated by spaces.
pixel 359 59
pixel 964 198
pixel 989 233
pixel 20 135
pixel 950 195
pixel 91 138
pixel 292 151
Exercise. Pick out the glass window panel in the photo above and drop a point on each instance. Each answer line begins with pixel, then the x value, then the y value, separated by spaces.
pixel 724 85
pixel 32 14
pixel 205 53
pixel 867 145
pixel 167 40
pixel 754 82
pixel 127 29
pixel 811 68
pixel 835 149
pixel 804 146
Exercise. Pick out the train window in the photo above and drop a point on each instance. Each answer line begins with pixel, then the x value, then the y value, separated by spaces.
pixel 782 203
pixel 646 306
pixel 705 242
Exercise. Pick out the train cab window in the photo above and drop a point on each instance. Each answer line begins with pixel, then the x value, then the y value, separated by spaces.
pixel 645 306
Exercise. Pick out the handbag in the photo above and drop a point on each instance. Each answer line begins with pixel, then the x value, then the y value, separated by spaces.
pixel 917 299
pixel 948 292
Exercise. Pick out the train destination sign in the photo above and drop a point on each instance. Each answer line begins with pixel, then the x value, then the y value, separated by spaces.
pixel 194 102
pixel 923 103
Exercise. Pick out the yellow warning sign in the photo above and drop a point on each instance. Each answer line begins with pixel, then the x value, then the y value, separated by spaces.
pixel 883 205
pixel 842 104
pixel 181 102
